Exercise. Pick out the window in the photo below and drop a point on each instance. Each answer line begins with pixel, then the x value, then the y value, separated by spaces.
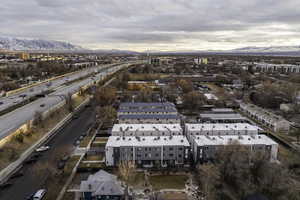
pixel 171 155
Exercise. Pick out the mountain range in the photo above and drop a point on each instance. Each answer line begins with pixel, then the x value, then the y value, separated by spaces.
pixel 19 44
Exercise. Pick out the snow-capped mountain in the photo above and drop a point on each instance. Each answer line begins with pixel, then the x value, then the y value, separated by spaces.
pixel 15 44
pixel 267 49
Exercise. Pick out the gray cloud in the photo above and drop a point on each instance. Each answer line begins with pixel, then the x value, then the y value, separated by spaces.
pixel 155 24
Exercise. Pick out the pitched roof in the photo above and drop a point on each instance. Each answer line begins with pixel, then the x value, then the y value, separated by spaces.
pixel 102 183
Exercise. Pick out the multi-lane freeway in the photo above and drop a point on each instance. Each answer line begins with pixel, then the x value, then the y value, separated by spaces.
pixel 6 102
pixel 13 120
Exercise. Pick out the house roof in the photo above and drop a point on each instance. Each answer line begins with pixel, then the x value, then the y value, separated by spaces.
pixel 147 141
pixel 221 127
pixel 102 183
pixel 143 104
pixel 145 116
pixel 168 109
pixel 147 127
pixel 202 140
pixel 222 116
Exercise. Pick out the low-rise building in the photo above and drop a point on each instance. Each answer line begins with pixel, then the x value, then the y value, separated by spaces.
pixel 146 130
pixel 148 119
pixel 204 148
pixel 148 151
pixel 222 118
pixel 101 185
pixel 268 67
pixel 270 120
pixel 150 111
pixel 220 129
pixel 143 105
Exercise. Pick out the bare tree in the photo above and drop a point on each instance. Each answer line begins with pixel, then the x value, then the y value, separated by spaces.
pixel 69 102
pixel 38 119
pixel 127 174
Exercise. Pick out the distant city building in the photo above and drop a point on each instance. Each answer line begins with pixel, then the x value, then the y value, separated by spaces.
pixel 154 61
pixel 204 148
pixel 148 151
pixel 270 120
pixel 24 56
pixel 267 67
pixel 146 130
pixel 200 61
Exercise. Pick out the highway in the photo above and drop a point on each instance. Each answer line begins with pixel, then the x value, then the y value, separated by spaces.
pixel 13 120
pixel 11 100
pixel 65 138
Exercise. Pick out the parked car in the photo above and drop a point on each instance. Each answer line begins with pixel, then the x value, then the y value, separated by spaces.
pixel 42 105
pixel 39 194
pixel 1 102
pixel 42 148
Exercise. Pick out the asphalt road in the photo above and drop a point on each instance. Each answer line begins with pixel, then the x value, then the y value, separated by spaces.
pixel 13 120
pixel 65 138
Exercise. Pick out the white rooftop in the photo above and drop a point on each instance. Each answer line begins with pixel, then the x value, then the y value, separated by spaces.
pixel 147 127
pixel 225 140
pixel 221 127
pixel 144 141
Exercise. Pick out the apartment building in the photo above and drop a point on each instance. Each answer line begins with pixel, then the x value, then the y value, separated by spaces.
pixel 143 105
pixel 268 119
pixel 149 119
pixel 220 129
pixel 146 130
pixel 221 118
pixel 148 151
pixel 267 67
pixel 148 111
pixel 204 148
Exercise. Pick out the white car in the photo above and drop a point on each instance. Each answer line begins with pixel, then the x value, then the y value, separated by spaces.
pixel 39 194
pixel 42 148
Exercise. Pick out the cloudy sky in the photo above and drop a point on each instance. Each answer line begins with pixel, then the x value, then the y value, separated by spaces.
pixel 155 24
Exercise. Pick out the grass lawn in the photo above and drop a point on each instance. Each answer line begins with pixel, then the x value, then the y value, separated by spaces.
pixel 94 157
pixel 101 139
pixel 91 166
pixel 138 181
pixel 54 185
pixel 71 164
pixel 168 181
pixel 69 196
pixel 174 196
pixel 85 141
